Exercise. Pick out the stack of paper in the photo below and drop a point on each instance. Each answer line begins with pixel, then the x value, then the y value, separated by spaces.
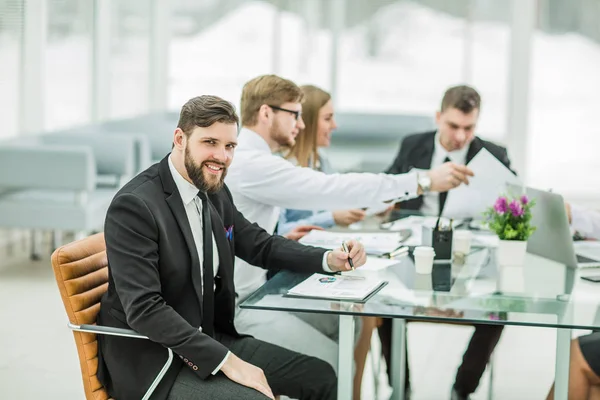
pixel 336 287
pixel 375 243
pixel 489 182
pixel 416 223
pixel 374 264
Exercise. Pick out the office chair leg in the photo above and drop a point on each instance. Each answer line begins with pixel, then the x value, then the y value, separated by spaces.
pixel 160 375
pixel 57 239
pixel 35 245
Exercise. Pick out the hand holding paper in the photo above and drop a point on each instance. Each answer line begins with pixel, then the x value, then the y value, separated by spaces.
pixel 489 181
pixel 448 176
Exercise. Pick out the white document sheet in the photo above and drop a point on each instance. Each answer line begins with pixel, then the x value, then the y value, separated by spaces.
pixel 374 264
pixel 489 182
pixel 336 287
pixel 375 243
pixel 369 212
pixel 588 248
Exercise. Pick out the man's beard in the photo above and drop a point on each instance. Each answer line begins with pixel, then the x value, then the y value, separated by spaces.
pixel 196 174
pixel 277 135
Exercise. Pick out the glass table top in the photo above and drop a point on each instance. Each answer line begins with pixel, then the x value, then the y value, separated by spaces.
pixel 540 293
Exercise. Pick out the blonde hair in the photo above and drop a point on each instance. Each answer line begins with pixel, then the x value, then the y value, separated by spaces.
pixel 305 150
pixel 266 89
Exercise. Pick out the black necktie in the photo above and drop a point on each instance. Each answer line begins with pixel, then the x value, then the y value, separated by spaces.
pixel 443 195
pixel 272 272
pixel 208 308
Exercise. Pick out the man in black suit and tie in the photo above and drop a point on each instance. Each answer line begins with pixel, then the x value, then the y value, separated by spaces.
pixel 454 142
pixel 171 237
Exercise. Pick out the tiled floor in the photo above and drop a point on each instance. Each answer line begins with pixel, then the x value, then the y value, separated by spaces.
pixel 38 359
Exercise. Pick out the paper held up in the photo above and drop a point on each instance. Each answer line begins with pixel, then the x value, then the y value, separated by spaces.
pixel 489 181
pixel 382 207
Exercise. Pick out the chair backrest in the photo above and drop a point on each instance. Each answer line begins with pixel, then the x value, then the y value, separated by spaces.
pixel 81 272
pixel 37 166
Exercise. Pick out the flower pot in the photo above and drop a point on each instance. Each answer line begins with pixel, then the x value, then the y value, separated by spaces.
pixel 511 252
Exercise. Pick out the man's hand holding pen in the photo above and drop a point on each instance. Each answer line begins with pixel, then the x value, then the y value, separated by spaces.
pixel 339 259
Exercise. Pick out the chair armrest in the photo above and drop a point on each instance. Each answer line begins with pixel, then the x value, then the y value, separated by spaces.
pixel 109 330
pixel 106 330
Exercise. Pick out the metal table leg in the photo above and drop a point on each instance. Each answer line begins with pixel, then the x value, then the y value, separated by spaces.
pixel 561 369
pixel 345 357
pixel 398 358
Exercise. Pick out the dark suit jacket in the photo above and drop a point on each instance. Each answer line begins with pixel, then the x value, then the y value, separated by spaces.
pixel 155 284
pixel 416 151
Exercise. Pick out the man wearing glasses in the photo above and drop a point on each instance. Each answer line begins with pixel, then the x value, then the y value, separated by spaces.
pixel 262 183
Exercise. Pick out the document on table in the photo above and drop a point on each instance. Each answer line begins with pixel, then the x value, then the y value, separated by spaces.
pixel 337 287
pixel 375 243
pixel 489 182
pixel 374 264
pixel 588 248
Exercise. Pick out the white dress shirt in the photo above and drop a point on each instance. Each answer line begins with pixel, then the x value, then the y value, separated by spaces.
pixel 262 182
pixel 193 209
pixel 431 200
pixel 586 222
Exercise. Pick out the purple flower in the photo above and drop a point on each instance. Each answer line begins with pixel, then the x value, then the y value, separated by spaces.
pixel 516 208
pixel 524 200
pixel 501 205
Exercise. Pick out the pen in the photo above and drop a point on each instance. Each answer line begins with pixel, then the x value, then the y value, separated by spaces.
pixel 399 251
pixel 345 248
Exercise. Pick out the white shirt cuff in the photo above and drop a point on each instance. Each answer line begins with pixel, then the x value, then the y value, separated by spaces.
pixel 221 364
pixel 411 176
pixel 325 266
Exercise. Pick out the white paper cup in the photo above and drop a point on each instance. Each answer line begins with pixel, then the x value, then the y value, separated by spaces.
pixel 423 259
pixel 461 242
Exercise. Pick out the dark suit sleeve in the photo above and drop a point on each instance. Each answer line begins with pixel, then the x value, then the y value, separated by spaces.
pixel 257 247
pixel 398 166
pixel 133 255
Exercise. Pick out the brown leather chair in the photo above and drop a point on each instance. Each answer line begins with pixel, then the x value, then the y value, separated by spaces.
pixel 81 272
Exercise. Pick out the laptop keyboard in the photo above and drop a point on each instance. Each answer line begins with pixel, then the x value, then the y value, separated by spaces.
pixel 583 259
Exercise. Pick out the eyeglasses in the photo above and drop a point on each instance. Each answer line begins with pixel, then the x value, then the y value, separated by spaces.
pixel 297 114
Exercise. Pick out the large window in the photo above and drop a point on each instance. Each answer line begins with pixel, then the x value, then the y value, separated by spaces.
pixel 400 57
pixel 11 23
pixel 564 130
pixel 130 51
pixel 68 77
pixel 217 46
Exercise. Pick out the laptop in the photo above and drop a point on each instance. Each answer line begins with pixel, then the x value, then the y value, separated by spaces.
pixel 552 238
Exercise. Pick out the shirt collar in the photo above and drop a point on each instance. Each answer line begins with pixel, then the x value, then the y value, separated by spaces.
pixel 187 191
pixel 457 156
pixel 248 139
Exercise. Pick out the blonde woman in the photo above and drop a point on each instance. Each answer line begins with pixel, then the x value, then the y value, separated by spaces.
pixel 319 121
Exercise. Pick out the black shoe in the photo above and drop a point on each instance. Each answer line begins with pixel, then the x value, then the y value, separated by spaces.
pixel 457 396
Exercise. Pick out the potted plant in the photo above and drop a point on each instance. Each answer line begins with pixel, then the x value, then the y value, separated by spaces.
pixel 510 219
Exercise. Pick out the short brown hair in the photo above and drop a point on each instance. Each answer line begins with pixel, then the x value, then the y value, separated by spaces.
pixel 203 111
pixel 462 97
pixel 266 89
